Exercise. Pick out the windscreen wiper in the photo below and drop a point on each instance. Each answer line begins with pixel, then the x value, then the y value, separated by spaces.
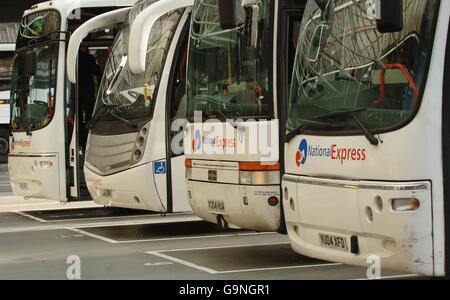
pixel 353 112
pixel 229 121
pixel 96 115
pixel 101 110
pixel 45 38
pixel 293 132
pixel 133 125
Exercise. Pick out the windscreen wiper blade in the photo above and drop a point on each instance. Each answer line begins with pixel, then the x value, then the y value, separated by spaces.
pixel 293 132
pixel 96 115
pixel 101 110
pixel 353 113
pixel 229 121
pixel 339 113
pixel 368 134
pixel 45 38
pixel 133 125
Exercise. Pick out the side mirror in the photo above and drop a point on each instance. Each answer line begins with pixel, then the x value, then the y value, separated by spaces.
pixel 228 13
pixel 30 63
pixel 389 15
pixel 142 27
pixel 100 21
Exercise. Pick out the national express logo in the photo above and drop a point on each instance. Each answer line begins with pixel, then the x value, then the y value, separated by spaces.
pixel 333 152
pixel 20 143
pixel 197 141
pixel 302 153
pixel 218 142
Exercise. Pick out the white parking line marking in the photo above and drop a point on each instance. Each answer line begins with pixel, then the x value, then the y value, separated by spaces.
pixel 224 247
pixel 30 216
pixel 163 263
pixel 212 271
pixel 282 268
pixel 148 216
pixel 183 262
pixel 194 237
pixel 56 226
pixel 91 235
pixel 390 277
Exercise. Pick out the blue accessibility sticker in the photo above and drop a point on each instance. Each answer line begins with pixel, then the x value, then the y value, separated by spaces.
pixel 159 167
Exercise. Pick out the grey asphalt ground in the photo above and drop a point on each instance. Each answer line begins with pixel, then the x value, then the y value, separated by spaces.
pixel 106 243
pixel 5 187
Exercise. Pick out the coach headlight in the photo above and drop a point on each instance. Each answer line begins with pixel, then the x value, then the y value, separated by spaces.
pixel 139 145
pixel 245 177
pixel 255 173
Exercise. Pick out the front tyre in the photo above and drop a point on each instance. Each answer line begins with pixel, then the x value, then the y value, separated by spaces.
pixel 4 145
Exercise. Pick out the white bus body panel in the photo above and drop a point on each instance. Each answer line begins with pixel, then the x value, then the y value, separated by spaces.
pixel 27 181
pixel 7 47
pixel 316 206
pixel 219 147
pixel 256 215
pixel 412 154
pixel 139 188
pixel 31 173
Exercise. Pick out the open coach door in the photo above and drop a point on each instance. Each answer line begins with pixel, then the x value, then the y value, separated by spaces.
pixel 80 65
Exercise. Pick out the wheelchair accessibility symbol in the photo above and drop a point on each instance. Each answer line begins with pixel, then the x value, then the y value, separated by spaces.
pixel 159 167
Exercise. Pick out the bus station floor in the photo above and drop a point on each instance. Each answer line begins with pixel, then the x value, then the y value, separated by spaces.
pixel 38 238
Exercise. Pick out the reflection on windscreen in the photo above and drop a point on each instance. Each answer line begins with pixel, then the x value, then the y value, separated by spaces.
pixel 124 94
pixel 33 96
pixel 344 64
pixel 225 76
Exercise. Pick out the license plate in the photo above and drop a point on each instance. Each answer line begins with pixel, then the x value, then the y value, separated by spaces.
pixel 23 186
pixel 107 193
pixel 216 206
pixel 333 241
